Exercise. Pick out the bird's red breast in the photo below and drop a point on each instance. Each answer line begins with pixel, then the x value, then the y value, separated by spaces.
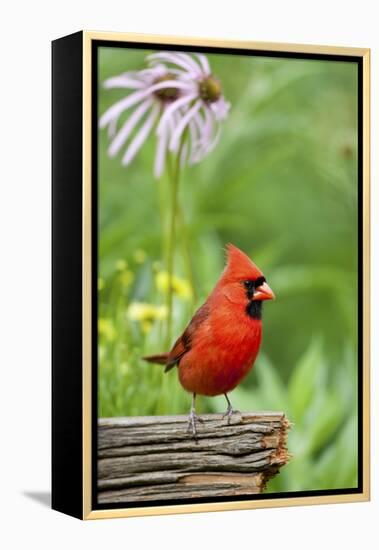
pixel 223 349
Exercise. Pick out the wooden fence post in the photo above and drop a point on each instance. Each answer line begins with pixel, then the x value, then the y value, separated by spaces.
pixel 155 458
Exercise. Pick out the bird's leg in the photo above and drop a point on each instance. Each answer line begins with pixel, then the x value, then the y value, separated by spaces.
pixel 193 418
pixel 229 410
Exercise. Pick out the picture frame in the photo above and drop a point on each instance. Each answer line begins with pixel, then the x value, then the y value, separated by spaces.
pixel 76 203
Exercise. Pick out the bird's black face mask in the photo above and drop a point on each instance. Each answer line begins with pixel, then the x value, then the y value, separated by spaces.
pixel 254 307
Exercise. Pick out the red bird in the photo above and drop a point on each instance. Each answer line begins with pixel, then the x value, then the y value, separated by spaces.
pixel 219 346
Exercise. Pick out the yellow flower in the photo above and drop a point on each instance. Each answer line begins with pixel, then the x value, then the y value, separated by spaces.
pixel 180 287
pixel 126 277
pixel 146 326
pixel 121 265
pixel 146 314
pixel 139 256
pixel 107 329
pixel 100 284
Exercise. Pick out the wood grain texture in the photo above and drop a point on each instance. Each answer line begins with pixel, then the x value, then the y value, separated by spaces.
pixel 155 458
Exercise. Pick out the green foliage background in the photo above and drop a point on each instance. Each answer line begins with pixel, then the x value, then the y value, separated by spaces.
pixel 281 185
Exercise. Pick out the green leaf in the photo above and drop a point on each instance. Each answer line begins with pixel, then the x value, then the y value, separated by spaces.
pixel 326 419
pixel 347 445
pixel 271 388
pixel 245 399
pixel 303 380
pixel 336 467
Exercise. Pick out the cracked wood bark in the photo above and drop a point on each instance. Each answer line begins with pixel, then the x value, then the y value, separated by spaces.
pixel 154 457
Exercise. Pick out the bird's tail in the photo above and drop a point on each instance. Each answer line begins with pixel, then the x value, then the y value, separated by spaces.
pixel 160 359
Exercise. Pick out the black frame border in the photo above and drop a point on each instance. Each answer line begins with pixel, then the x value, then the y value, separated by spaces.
pixel 67 259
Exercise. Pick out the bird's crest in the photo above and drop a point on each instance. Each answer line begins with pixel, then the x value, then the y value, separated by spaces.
pixel 239 265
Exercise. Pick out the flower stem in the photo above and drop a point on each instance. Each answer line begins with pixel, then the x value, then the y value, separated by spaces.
pixel 188 256
pixel 161 202
pixel 174 174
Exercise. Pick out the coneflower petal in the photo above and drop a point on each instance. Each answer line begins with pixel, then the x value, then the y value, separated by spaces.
pixel 183 123
pixel 122 105
pixel 180 72
pixel 220 108
pixel 161 153
pixel 186 86
pixel 172 123
pixel 193 138
pixel 208 126
pixel 128 127
pixel 142 134
pixel 191 61
pixel 201 154
pixel 183 154
pixel 168 112
pixel 205 128
pixel 112 127
pixel 206 131
pixel 204 63
pixel 159 69
pixel 215 140
pixel 198 142
pixel 173 57
pixel 134 98
pixel 123 81
pixel 152 73
pixel 200 124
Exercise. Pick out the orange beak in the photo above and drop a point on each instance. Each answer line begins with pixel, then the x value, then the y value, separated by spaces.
pixel 263 292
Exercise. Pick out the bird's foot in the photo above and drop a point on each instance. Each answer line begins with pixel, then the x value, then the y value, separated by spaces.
pixel 192 420
pixel 229 413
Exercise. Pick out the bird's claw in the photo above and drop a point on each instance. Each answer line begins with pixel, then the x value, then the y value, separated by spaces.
pixel 229 413
pixel 192 419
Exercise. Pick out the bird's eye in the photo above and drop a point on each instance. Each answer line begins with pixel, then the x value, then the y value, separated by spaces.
pixel 249 284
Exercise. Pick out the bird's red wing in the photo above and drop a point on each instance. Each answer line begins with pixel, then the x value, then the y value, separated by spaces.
pixel 184 343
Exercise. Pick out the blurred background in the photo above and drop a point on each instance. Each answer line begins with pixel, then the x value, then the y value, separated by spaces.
pixel 282 186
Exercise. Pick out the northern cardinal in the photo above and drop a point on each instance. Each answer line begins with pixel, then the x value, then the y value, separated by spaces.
pixel 219 346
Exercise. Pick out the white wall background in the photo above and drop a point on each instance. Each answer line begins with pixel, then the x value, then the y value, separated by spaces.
pixel 27 28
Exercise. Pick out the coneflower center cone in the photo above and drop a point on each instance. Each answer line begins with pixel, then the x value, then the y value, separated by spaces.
pixel 210 89
pixel 166 94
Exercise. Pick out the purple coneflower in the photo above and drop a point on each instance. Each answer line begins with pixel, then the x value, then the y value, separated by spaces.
pixel 154 89
pixel 201 109
pixel 183 95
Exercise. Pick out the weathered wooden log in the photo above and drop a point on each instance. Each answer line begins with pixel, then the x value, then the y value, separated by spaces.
pixel 155 458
